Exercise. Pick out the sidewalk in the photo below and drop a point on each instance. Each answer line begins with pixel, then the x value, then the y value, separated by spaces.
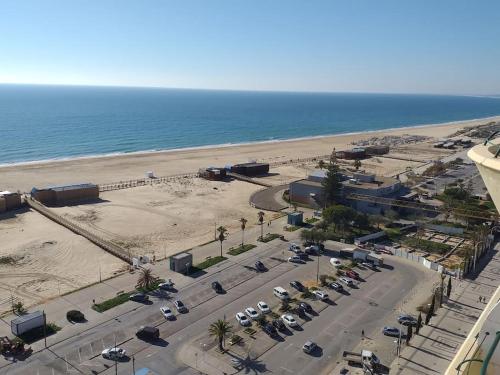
pixel 83 299
pixel 432 350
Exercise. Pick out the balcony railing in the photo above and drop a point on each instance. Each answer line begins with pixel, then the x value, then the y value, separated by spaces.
pixel 494 147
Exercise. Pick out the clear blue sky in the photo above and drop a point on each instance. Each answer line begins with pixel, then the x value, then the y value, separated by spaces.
pixel 435 46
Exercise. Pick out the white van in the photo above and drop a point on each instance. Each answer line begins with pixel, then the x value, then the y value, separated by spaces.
pixel 335 262
pixel 281 293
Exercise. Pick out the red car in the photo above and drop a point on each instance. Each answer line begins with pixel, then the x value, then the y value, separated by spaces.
pixel 352 274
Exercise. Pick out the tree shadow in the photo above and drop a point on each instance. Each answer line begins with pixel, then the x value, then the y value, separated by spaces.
pixel 250 365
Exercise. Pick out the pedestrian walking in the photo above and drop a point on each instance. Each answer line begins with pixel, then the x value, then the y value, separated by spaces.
pixel 362 333
pixel 479 298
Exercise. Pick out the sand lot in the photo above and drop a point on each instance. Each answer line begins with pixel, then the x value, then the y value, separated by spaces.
pixel 40 259
pixel 165 219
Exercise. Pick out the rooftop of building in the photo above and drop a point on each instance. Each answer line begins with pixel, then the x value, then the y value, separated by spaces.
pixel 68 187
pixel 309 183
pixel 379 183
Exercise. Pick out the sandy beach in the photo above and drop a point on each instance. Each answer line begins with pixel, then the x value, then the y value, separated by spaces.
pixel 126 167
pixel 42 259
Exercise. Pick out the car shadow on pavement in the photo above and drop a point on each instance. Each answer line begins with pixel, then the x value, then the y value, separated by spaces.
pixel 330 302
pixel 298 328
pixel 387 267
pixel 249 365
pixel 278 338
pixel 287 332
pixel 317 352
pixel 160 342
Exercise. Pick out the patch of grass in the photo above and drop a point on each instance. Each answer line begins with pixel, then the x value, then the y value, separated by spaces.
pixel 240 249
pixel 207 263
pixel 152 287
pixel 311 220
pixel 235 339
pixel 250 331
pixel 291 228
pixel 426 245
pixel 38 333
pixel 112 302
pixel 269 237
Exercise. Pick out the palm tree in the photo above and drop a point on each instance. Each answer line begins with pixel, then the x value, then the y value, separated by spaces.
pixel 146 278
pixel 357 164
pixel 243 222
pixel 222 236
pixel 261 221
pixel 321 164
pixel 219 330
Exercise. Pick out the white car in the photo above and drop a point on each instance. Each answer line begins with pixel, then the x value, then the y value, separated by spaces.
pixel 289 320
pixel 113 353
pixel 347 281
pixel 295 259
pixel 169 284
pixel 335 262
pixel 251 313
pixel 167 313
pixel 294 247
pixel 320 294
pixel 263 307
pixel 242 319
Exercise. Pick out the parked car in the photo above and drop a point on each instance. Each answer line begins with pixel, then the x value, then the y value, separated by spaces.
pixel 263 307
pixel 302 255
pixel 309 347
pixel 269 329
pixel 335 262
pixel 352 274
pixel 337 287
pixel 179 306
pixel 312 250
pixel 407 320
pixel 301 312
pixel 297 285
pixel 139 297
pixel 295 259
pixel 167 313
pixel 251 313
pixel 294 247
pixel 289 320
pixel 148 333
pixel 217 287
pixel 369 265
pixel 307 307
pixel 390 331
pixel 321 295
pixel 347 281
pixel 242 319
pixel 113 353
pixel 259 266
pixel 167 285
pixel 278 323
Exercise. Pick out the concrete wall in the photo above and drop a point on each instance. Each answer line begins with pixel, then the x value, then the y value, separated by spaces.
pixel 3 206
pixel 301 193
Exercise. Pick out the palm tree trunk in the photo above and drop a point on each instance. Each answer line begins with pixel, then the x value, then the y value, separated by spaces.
pixel 242 237
pixel 221 347
pixel 262 230
pixel 221 249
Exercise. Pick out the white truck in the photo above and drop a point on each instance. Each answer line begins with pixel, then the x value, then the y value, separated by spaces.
pixel 365 359
pixel 27 322
pixel 367 256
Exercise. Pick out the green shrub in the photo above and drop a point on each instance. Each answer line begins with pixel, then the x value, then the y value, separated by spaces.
pixel 240 249
pixel 269 237
pixel 112 302
pixel 208 263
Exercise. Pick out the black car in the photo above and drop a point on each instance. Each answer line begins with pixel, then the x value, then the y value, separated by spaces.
pixel 217 287
pixel 139 297
pixel 269 329
pixel 337 287
pixel 303 256
pixel 148 333
pixel 278 323
pixel 259 266
pixel 301 312
pixel 297 285
pixel 307 307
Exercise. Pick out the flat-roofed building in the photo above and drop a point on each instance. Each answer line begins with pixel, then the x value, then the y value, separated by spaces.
pixel 251 169
pixel 64 195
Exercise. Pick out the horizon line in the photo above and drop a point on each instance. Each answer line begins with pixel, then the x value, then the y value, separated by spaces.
pixel 495 96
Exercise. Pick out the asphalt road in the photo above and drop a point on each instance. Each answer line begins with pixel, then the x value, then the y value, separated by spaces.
pixel 336 328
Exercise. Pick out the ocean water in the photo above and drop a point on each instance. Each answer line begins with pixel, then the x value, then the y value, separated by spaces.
pixel 55 122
